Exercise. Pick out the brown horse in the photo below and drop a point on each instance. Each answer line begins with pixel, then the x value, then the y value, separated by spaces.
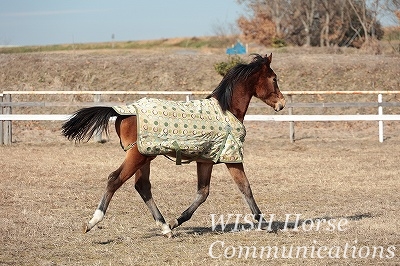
pixel 233 94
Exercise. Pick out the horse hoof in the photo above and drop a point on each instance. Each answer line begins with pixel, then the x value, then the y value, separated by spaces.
pixel 173 224
pixel 85 228
pixel 267 228
pixel 169 235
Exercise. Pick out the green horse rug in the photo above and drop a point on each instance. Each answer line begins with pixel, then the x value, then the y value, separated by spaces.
pixel 197 129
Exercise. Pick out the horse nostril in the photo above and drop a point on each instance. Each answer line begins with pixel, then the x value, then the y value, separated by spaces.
pixel 279 107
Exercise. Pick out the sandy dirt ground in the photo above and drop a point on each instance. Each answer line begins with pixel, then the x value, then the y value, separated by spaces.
pixel 49 189
pixel 337 179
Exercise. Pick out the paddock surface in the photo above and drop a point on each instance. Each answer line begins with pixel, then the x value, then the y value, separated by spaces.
pixel 49 188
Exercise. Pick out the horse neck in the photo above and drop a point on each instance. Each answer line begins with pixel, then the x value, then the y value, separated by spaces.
pixel 240 101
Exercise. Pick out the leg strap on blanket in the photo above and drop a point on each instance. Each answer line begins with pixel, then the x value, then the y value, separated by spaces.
pixel 178 155
pixel 178 151
pixel 130 146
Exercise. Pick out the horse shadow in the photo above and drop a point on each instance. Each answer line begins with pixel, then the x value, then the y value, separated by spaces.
pixel 275 227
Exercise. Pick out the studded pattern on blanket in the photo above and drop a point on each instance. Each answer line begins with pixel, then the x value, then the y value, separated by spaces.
pixel 196 129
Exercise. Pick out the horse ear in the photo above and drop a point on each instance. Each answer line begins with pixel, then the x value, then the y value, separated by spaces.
pixel 269 57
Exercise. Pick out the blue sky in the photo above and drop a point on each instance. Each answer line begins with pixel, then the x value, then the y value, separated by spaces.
pixel 40 22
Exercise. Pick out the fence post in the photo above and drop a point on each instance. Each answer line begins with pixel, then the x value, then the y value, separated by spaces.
pixel 291 123
pixel 188 97
pixel 380 123
pixel 1 121
pixel 98 133
pixel 7 125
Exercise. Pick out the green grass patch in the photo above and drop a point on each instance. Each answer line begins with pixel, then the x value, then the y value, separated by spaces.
pixel 193 43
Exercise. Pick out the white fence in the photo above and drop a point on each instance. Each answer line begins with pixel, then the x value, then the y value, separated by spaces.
pixel 6 104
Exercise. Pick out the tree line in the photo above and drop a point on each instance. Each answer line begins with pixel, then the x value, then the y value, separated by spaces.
pixel 315 22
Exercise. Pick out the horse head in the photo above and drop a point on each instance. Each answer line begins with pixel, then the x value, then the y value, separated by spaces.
pixel 244 81
pixel 266 87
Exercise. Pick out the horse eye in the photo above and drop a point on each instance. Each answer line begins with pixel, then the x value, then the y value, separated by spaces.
pixel 275 80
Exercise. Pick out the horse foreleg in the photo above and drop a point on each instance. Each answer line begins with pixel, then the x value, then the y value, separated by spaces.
pixel 133 161
pixel 203 187
pixel 143 187
pixel 237 172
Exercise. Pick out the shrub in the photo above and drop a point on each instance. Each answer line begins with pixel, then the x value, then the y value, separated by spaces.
pixel 223 67
pixel 278 42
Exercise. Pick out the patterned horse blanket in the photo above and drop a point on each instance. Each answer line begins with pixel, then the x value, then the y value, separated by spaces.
pixel 194 129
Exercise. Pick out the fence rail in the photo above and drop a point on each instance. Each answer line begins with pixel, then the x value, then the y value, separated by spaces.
pixel 276 118
pixel 6 105
pixel 288 105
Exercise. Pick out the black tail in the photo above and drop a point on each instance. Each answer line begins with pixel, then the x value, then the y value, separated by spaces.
pixel 85 122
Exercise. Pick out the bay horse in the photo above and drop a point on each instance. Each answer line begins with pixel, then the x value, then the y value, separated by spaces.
pixel 233 94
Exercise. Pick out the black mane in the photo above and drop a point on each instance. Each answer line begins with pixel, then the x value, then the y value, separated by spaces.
pixel 223 92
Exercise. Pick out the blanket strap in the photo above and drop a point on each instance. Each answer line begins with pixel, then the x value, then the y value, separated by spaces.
pixel 179 154
pixel 128 147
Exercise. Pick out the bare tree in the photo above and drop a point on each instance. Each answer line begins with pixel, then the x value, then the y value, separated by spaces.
pixel 277 10
pixel 361 11
pixel 391 9
pixel 324 35
pixel 335 22
pixel 223 30
pixel 260 28
pixel 313 22
pixel 305 11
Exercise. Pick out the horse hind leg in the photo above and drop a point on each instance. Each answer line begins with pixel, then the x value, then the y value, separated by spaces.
pixel 143 187
pixel 133 161
pixel 113 184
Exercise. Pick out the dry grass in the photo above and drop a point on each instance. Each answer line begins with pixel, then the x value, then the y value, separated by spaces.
pixel 49 189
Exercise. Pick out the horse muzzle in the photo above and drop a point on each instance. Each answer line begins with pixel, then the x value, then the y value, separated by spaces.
pixel 280 104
